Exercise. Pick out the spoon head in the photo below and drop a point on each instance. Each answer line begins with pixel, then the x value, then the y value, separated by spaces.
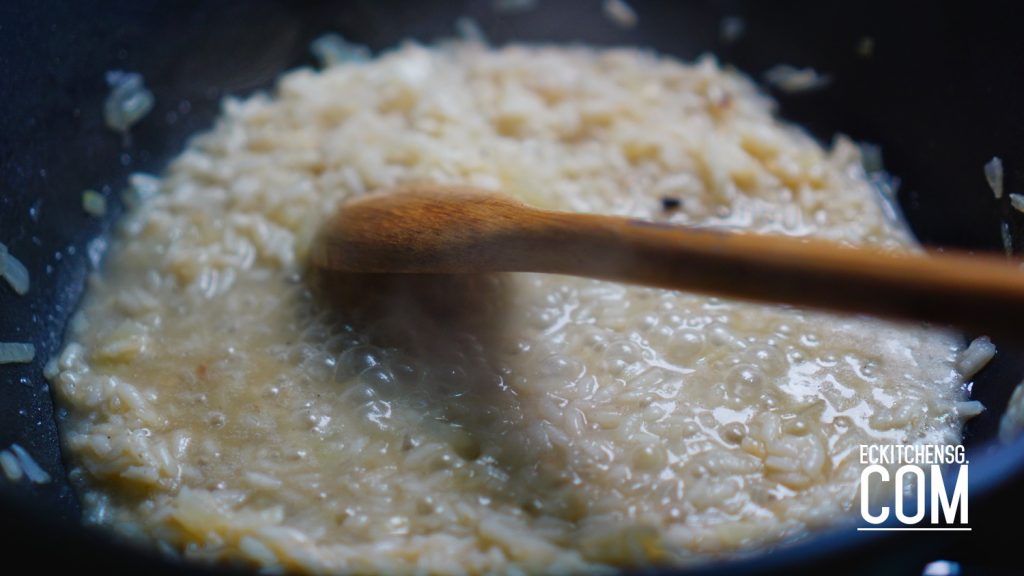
pixel 432 229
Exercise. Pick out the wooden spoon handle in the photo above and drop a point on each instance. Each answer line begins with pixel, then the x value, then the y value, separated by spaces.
pixel 452 230
pixel 978 292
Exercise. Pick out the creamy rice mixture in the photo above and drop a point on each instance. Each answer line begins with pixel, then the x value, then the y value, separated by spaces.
pixel 218 409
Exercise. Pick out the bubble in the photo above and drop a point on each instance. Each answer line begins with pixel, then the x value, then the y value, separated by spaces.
pixel 685 346
pixel 828 360
pixel 842 422
pixel 596 340
pixel 769 399
pixel 381 380
pixel 745 382
pixel 649 322
pixel 869 369
pixel 734 432
pixel 719 334
pixel 543 319
pixel 408 378
pixel 768 359
pixel 216 419
pixel 357 360
pixel 561 366
pixel 358 393
pixel 319 367
pixel 620 356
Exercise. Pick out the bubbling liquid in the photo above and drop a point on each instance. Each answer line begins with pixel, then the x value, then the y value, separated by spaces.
pixel 220 408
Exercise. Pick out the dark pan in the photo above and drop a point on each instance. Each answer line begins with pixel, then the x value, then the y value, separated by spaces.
pixel 941 94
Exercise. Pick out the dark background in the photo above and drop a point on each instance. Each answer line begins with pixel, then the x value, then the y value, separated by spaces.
pixel 942 94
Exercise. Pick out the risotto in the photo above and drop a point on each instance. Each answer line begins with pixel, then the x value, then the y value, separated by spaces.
pixel 216 408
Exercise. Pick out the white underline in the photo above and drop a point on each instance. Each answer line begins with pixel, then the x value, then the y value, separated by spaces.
pixel 911 529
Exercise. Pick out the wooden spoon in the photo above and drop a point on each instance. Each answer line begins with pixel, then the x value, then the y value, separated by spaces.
pixel 461 230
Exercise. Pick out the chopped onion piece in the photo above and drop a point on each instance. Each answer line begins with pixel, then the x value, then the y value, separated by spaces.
pixel 94 203
pixel 994 175
pixel 620 13
pixel 95 249
pixel 976 356
pixel 29 466
pixel 1013 418
pixel 16 352
pixel 128 102
pixel 791 80
pixel 1017 201
pixel 141 186
pixel 332 49
pixel 969 409
pixel 469 30
pixel 514 5
pixel 9 464
pixel 870 156
pixel 866 47
pixel 887 187
pixel 13 271
pixel 731 29
pixel 1004 233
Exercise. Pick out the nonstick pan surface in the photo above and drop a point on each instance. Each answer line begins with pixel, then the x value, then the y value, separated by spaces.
pixel 941 95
